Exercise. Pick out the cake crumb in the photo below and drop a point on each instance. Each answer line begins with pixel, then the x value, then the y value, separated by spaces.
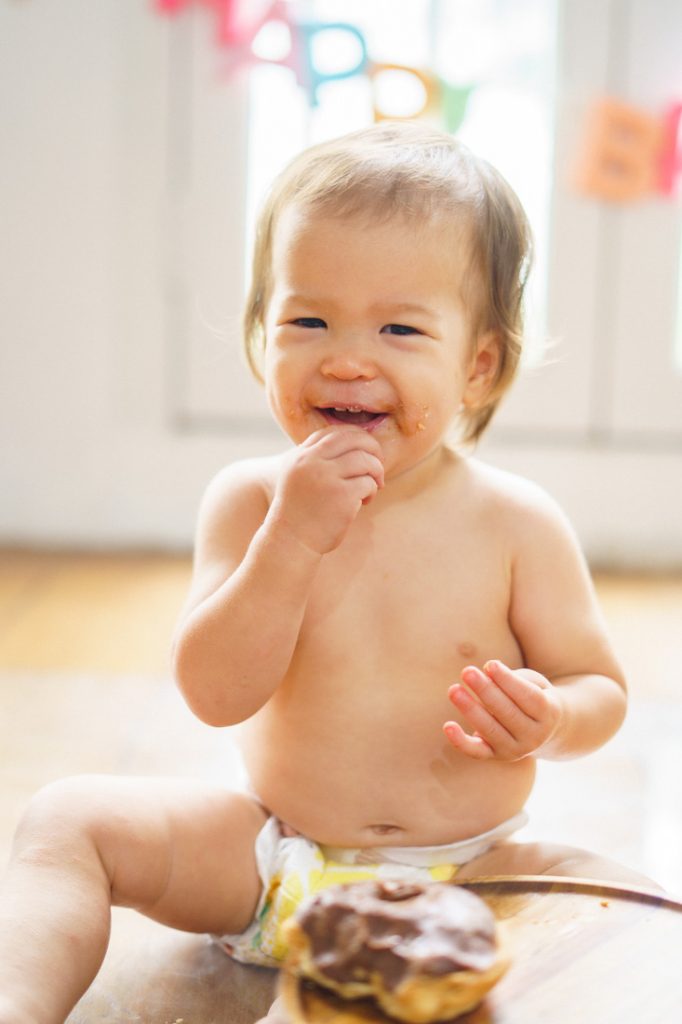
pixel 604 903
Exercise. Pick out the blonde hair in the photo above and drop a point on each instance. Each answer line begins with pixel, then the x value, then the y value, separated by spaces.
pixel 415 171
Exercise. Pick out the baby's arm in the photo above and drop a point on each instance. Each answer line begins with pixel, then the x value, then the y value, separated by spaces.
pixel 571 698
pixel 255 562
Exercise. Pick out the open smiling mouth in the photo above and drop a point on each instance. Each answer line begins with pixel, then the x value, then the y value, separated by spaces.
pixel 352 414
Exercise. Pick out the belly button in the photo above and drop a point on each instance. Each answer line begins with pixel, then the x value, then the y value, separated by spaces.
pixel 467 650
pixel 385 830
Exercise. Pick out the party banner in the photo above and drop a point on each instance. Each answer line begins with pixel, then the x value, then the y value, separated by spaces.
pixel 629 154
pixel 238 23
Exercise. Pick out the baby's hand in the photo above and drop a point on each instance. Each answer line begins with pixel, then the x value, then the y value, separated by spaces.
pixel 326 481
pixel 513 713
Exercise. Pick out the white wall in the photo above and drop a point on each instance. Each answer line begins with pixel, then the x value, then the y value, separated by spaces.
pixel 601 425
pixel 121 220
pixel 99 222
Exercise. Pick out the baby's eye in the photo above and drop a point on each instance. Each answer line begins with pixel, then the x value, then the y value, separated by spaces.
pixel 399 329
pixel 312 322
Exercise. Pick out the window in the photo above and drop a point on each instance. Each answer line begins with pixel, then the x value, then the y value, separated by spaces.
pixel 496 58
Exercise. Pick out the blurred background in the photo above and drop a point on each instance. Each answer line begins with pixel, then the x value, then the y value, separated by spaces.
pixel 138 137
pixel 137 143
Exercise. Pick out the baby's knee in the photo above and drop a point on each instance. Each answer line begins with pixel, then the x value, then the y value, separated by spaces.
pixel 574 862
pixel 542 858
pixel 61 814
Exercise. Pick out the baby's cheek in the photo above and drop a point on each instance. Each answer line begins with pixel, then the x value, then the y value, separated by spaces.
pixel 416 419
pixel 284 407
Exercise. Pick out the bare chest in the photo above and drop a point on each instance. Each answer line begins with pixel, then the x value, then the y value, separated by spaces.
pixel 411 595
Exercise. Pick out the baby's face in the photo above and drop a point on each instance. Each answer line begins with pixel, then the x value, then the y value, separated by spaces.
pixel 366 325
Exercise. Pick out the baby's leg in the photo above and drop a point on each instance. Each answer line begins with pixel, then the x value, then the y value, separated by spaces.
pixel 179 852
pixel 550 859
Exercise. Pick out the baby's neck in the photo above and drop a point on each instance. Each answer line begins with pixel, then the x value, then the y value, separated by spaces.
pixel 417 478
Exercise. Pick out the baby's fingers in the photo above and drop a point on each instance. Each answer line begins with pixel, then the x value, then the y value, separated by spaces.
pixel 360 463
pixel 474 746
pixel 363 488
pixel 332 442
pixel 483 720
pixel 527 696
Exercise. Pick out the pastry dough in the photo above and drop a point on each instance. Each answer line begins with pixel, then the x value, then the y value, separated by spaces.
pixel 422 953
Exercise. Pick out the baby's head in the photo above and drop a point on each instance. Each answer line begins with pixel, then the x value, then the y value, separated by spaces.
pixel 411 171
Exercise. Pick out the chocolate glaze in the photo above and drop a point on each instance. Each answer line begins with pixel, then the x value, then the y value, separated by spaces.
pixel 397 930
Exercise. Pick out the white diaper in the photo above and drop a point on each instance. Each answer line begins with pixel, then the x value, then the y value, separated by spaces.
pixel 426 856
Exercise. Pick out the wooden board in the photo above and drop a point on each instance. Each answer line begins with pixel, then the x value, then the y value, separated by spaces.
pixel 585 952
pixel 154 975
pixel 582 951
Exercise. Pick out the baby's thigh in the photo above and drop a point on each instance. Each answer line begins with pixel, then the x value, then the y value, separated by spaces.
pixel 549 859
pixel 180 851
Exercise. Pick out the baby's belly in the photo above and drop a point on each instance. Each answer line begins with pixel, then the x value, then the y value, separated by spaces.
pixel 359 783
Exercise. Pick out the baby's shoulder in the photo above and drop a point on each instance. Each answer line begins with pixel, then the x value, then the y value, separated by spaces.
pixel 255 477
pixel 513 499
pixel 240 492
pixel 525 517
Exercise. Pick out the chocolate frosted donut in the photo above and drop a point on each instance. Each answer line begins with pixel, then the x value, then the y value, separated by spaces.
pixel 422 952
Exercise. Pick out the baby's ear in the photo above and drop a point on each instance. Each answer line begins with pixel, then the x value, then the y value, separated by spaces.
pixel 483 369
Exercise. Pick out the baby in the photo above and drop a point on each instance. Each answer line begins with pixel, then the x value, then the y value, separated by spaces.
pixel 402 629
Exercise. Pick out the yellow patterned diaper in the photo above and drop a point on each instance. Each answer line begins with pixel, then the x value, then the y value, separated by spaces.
pixel 293 868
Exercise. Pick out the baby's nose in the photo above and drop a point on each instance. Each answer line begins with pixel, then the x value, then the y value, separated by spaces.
pixel 349 361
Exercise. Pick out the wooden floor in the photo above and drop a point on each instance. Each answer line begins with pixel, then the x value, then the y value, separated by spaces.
pixel 85 687
pixel 92 613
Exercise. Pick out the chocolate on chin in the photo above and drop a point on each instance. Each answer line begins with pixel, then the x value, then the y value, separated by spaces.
pixel 420 953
